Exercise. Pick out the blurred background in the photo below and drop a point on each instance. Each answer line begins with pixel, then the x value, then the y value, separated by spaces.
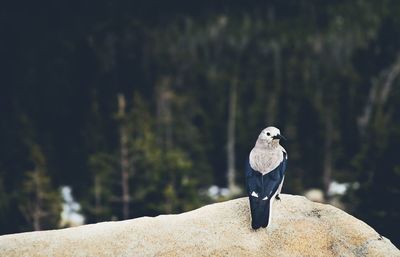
pixel 112 110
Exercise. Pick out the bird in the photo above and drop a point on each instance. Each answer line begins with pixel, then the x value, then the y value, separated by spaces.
pixel 265 174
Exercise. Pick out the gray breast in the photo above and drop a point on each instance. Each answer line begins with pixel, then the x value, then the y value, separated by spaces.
pixel 265 160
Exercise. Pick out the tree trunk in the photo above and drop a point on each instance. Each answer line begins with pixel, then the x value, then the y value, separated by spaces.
pixel 164 113
pixel 233 189
pixel 389 79
pixel 327 172
pixel 124 156
pixel 97 195
pixel 36 215
pixel 379 93
pixel 273 96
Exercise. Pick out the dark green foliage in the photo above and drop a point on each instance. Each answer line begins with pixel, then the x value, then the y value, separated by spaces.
pixel 378 167
pixel 38 201
pixel 103 168
pixel 307 67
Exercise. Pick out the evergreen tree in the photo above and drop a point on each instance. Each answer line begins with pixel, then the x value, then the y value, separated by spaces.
pixel 102 194
pixel 38 201
pixel 101 164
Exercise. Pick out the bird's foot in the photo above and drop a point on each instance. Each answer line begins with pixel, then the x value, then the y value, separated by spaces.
pixel 277 197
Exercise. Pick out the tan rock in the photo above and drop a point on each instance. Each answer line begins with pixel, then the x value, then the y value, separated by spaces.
pixel 299 228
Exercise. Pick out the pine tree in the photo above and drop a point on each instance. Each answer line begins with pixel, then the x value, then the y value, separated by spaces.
pixel 102 167
pixel 101 163
pixel 39 202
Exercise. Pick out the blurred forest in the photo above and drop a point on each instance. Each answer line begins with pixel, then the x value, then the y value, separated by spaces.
pixel 140 107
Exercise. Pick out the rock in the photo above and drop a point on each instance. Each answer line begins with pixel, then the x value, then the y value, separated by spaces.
pixel 315 195
pixel 299 228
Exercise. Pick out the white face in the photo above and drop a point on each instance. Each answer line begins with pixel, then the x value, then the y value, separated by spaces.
pixel 268 134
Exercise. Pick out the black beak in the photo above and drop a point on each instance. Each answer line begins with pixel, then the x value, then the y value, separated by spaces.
pixel 279 136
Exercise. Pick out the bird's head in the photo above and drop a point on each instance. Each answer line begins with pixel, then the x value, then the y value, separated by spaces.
pixel 271 134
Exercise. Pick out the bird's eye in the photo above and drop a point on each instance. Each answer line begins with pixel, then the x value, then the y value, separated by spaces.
pixel 268 134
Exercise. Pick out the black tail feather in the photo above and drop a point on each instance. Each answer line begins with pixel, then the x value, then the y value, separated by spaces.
pixel 260 211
